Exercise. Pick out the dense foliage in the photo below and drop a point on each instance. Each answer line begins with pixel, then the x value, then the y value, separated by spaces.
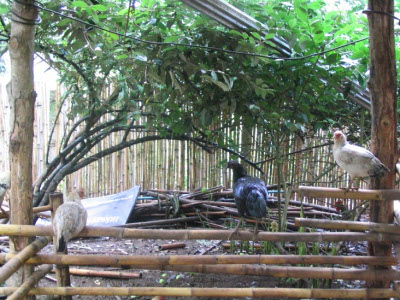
pixel 194 93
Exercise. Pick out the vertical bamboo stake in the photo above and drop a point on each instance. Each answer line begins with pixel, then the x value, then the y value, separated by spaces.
pixel 176 165
pixel 62 272
pixel 182 173
pixel 194 167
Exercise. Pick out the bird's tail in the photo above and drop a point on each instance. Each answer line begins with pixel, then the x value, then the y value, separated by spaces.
pixel 379 169
pixel 60 244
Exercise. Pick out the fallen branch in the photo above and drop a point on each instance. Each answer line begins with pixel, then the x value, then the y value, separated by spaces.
pixel 172 246
pixel 106 274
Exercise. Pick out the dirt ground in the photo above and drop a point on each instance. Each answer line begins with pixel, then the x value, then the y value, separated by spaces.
pixel 155 278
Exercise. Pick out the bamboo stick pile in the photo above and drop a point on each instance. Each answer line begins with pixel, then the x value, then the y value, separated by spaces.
pixel 213 208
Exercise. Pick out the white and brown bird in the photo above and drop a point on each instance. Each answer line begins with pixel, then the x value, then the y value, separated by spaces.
pixel 69 220
pixel 355 160
pixel 4 186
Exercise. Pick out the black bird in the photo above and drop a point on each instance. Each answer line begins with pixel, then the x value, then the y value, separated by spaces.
pixel 251 194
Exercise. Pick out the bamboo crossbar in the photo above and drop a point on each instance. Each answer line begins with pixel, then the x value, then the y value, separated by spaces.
pixel 324 192
pixel 202 234
pixel 282 271
pixel 35 210
pixel 19 259
pixel 133 260
pixel 212 292
pixel 348 225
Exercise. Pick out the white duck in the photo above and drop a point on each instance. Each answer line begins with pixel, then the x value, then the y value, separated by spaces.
pixel 355 160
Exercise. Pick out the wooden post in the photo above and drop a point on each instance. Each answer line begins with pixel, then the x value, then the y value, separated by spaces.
pixel 22 102
pixel 382 86
pixel 62 272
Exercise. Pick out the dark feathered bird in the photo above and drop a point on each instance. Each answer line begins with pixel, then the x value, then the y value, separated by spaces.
pixel 250 193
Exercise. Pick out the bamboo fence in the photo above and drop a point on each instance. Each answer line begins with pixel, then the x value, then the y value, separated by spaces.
pixel 174 165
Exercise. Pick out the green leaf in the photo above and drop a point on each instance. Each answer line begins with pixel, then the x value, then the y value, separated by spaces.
pixel 269 36
pixel 171 39
pixel 292 23
pixel 122 56
pixel 257 35
pixel 301 13
pixel 64 22
pixel 81 4
pixel 214 76
pixel 222 85
pixel 333 58
pixel 99 7
pixel 3 8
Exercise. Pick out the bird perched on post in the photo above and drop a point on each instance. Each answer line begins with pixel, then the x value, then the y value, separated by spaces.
pixel 4 186
pixel 355 160
pixel 69 220
pixel 250 193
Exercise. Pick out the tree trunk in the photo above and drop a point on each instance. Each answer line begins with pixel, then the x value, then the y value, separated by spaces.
pixel 382 85
pixel 22 100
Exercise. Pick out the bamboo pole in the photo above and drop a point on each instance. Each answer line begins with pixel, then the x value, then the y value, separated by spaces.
pixel 212 292
pixel 108 274
pixel 35 210
pixel 281 271
pixel 19 259
pixel 161 222
pixel 201 234
pixel 348 225
pixel 30 282
pixel 134 260
pixel 322 192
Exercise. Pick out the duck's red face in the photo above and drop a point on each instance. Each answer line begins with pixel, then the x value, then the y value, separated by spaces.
pixel 339 136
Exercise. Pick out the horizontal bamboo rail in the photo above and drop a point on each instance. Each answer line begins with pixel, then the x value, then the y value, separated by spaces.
pixel 30 282
pixel 19 259
pixel 282 271
pixel 133 260
pixel 202 234
pixel 35 210
pixel 324 192
pixel 160 222
pixel 211 292
pixel 348 225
